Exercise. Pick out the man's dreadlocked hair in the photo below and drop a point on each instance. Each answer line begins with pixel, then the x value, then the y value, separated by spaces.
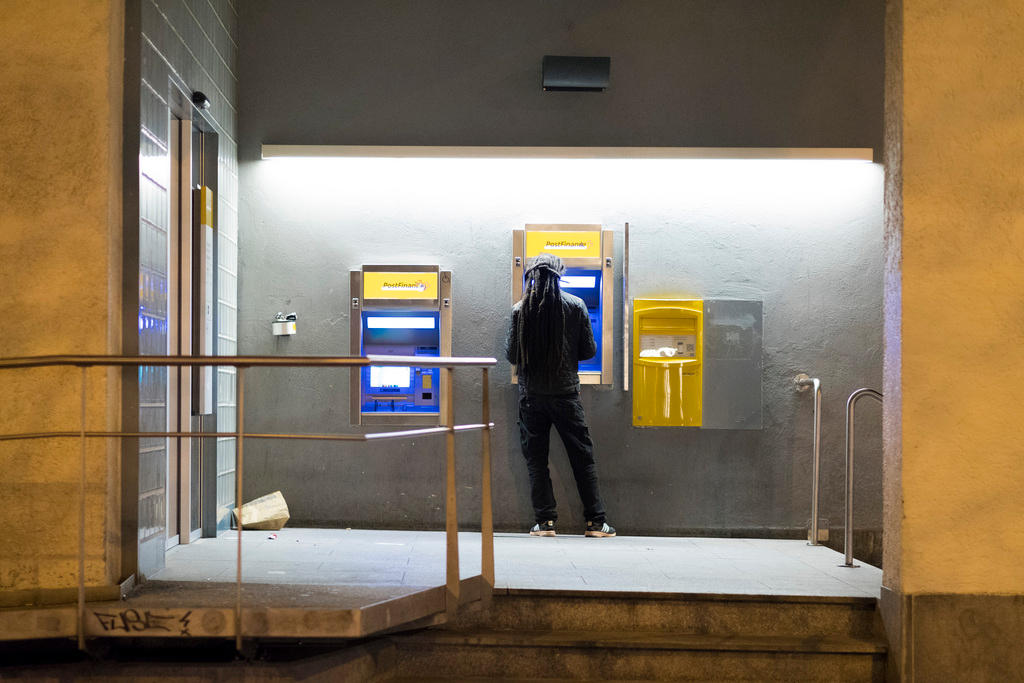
pixel 540 326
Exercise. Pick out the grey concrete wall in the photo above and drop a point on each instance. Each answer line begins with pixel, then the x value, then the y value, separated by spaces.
pixel 467 72
pixel 804 238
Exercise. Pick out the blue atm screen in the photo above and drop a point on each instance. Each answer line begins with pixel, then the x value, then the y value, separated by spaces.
pixel 586 284
pixel 401 389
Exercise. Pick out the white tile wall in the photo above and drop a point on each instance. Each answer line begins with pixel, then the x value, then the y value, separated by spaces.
pixel 189 45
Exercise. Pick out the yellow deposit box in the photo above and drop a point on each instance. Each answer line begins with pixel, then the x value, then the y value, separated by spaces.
pixel 668 359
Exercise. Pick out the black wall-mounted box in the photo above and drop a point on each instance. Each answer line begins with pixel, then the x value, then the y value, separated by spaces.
pixel 575 74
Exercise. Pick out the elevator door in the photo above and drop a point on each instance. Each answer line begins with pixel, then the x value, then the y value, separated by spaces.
pixel 189 315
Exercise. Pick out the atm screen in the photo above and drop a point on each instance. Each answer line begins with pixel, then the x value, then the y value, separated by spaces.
pixel 404 322
pixel 399 377
pixel 400 389
pixel 586 284
pixel 578 281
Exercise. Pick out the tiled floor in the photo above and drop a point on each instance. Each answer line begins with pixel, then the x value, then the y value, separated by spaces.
pixel 404 559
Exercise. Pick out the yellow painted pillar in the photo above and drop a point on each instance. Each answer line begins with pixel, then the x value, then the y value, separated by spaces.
pixel 954 375
pixel 61 71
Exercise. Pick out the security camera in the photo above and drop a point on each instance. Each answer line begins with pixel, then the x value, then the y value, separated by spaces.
pixel 200 100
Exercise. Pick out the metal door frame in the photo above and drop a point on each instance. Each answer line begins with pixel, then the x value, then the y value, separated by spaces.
pixel 188 286
pixel 179 334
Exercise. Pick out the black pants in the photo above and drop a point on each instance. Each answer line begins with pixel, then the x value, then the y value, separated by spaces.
pixel 537 413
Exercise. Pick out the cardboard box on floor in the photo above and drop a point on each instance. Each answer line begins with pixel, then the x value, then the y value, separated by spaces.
pixel 268 512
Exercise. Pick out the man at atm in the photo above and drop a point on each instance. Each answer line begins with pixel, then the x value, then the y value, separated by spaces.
pixel 549 335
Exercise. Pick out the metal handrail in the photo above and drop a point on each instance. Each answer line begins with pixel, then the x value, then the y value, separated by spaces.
pixel 373 436
pixel 848 531
pixel 247 361
pixel 803 381
pixel 448 363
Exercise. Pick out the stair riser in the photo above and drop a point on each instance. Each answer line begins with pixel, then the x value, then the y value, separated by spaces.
pixel 699 616
pixel 462 661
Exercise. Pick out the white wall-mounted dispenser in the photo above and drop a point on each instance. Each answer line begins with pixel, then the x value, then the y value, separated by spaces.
pixel 283 324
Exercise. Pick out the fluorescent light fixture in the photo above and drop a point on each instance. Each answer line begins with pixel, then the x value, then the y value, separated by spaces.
pixel 395 323
pixel 483 152
pixel 741 193
pixel 578 281
pixel 390 377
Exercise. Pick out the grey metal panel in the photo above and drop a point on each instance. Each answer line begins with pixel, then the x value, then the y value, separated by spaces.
pixel 732 364
pixel 445 292
pixel 607 305
pixel 518 264
pixel 518 273
pixel 355 344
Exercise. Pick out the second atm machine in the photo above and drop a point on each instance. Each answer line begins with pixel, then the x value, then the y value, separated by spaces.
pixel 400 311
pixel 586 251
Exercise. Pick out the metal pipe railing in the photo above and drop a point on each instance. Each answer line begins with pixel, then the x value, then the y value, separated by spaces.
pixel 247 361
pixel 374 436
pixel 486 511
pixel 851 404
pixel 239 433
pixel 449 429
pixel 451 522
pixel 803 381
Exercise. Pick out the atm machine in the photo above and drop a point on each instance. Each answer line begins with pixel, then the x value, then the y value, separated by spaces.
pixel 586 251
pixel 400 311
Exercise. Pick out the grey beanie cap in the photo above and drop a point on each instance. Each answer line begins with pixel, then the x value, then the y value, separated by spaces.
pixel 547 262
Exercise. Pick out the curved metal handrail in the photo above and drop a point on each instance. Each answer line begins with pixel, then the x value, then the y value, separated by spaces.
pixel 802 381
pixel 848 530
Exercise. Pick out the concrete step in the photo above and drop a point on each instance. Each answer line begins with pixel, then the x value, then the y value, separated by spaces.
pixel 675 613
pixel 579 635
pixel 646 641
pixel 604 655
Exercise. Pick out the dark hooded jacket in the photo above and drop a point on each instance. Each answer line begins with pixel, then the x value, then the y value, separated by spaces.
pixel 579 345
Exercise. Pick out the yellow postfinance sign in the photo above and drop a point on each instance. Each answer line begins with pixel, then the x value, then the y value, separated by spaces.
pixel 566 244
pixel 397 285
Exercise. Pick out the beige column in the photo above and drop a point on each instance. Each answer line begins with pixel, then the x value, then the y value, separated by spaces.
pixel 954 375
pixel 61 71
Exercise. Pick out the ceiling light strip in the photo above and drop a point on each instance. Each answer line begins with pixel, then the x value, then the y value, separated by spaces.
pixel 481 152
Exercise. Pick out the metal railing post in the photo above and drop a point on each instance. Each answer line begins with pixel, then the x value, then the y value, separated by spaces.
pixel 486 509
pixel 81 526
pixel 239 431
pixel 848 528
pixel 803 381
pixel 451 518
